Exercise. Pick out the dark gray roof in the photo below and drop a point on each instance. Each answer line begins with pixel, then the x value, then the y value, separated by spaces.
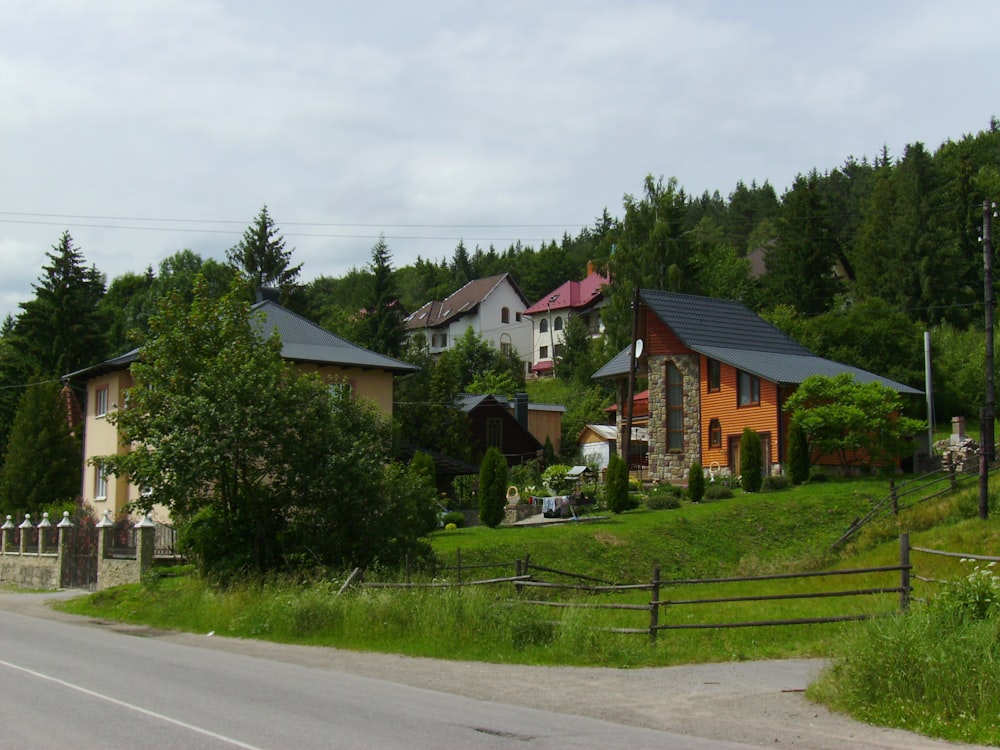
pixel 731 333
pixel 301 341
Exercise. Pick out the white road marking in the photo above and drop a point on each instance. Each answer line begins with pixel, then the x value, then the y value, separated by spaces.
pixel 130 706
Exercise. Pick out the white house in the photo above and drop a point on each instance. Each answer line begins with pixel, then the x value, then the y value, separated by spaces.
pixel 492 307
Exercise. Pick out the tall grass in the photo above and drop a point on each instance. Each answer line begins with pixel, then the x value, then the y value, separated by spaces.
pixel 933 670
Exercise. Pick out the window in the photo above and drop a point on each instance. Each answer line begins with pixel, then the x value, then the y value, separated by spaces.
pixel 494 433
pixel 543 352
pixel 558 323
pixel 675 409
pixel 506 348
pixel 543 325
pixel 747 389
pixel 100 484
pixel 505 315
pixel 101 402
pixel 714 434
pixel 443 340
pixel 517 317
pixel 557 350
pixel 714 375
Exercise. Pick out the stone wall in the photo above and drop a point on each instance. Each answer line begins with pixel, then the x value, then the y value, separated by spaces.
pixel 666 466
pixel 39 568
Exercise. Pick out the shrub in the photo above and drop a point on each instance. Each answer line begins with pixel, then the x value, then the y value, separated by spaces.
pixel 750 461
pixel 453 518
pixel 696 483
pixel 798 455
pixel 776 482
pixel 818 475
pixel 465 490
pixel 526 475
pixel 718 492
pixel 663 502
pixel 492 488
pixel 616 484
pixel 556 480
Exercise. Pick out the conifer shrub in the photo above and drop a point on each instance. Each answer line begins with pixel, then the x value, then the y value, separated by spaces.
pixel 798 455
pixel 492 488
pixel 616 485
pixel 696 482
pixel 750 461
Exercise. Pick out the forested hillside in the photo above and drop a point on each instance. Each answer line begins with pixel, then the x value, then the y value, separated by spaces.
pixel 855 262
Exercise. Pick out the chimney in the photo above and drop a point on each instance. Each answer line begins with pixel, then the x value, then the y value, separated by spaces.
pixel 521 409
pixel 268 294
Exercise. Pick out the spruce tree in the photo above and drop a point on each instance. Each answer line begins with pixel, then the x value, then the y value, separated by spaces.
pixel 798 454
pixel 42 466
pixel 696 482
pixel 616 484
pixel 261 258
pixel 383 313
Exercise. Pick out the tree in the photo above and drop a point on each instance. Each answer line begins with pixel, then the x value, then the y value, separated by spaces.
pixel 492 488
pixel 616 484
pixel 751 459
pixel 424 475
pixel 575 362
pixel 261 258
pixel 858 422
pixel 261 467
pixel 41 469
pixel 382 313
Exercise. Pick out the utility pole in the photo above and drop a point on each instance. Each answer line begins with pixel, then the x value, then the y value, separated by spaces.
pixel 630 390
pixel 987 452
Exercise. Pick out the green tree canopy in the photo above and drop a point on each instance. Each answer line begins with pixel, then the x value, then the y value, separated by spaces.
pixel 250 456
pixel 861 423
pixel 262 259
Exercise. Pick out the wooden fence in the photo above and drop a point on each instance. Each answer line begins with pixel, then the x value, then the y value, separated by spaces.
pixel 528 577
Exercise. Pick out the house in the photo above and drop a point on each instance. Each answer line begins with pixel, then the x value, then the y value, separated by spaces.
pixel 599 441
pixel 550 315
pixel 492 307
pixel 714 368
pixel 518 428
pixel 313 349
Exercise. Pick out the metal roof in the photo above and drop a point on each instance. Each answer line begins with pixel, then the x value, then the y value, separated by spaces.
pixel 731 333
pixel 301 341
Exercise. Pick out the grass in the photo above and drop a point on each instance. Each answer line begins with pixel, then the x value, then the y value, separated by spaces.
pixel 947 688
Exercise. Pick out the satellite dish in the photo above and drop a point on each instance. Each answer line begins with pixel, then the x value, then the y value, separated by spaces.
pixel 638 348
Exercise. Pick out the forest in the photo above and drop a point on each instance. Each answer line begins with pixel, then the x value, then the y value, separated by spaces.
pixel 855 262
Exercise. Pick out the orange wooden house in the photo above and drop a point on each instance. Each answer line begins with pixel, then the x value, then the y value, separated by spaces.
pixel 714 367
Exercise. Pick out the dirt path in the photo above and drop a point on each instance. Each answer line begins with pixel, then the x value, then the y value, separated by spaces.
pixel 759 703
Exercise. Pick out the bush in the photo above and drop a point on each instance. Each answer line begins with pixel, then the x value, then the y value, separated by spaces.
pixel 776 482
pixel 750 461
pixel 718 492
pixel 492 488
pixel 453 518
pixel 616 484
pixel 663 502
pixel 818 475
pixel 556 479
pixel 696 483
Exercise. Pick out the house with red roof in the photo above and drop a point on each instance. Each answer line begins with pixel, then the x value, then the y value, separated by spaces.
pixel 550 315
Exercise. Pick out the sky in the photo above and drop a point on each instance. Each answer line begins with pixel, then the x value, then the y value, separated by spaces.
pixel 145 127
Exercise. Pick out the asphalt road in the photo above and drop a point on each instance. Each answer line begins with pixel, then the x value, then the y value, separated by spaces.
pixel 63 685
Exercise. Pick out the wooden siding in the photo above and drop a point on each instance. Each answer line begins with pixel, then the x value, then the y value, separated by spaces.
pixel 660 339
pixel 723 405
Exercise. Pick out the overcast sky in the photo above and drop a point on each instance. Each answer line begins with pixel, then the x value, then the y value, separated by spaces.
pixel 148 126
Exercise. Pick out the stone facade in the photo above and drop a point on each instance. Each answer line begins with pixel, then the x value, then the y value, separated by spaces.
pixel 665 466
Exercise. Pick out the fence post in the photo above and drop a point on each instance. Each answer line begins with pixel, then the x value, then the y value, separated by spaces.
pixel 654 605
pixel 7 526
pixel 43 526
pixel 104 542
pixel 65 527
pixel 25 527
pixel 904 572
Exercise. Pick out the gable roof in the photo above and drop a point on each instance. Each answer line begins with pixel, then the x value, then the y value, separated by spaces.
pixel 731 333
pixel 463 302
pixel 571 294
pixel 301 341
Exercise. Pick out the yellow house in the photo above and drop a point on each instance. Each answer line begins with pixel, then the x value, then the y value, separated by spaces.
pixel 313 349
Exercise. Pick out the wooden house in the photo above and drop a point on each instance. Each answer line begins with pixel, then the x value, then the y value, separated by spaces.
pixel 714 367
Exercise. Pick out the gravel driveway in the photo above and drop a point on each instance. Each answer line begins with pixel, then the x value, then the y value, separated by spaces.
pixel 758 703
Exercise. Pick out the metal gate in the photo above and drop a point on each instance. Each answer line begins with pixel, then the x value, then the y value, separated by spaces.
pixel 80 563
